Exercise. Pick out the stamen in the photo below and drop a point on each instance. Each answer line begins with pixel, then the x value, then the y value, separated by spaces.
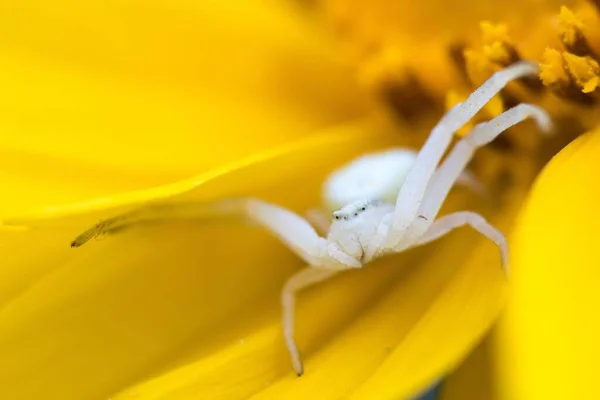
pixel 497 46
pixel 555 74
pixel 570 29
pixel 479 66
pixel 585 71
pixel 500 50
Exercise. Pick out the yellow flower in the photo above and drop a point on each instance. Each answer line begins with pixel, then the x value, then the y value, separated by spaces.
pixel 111 106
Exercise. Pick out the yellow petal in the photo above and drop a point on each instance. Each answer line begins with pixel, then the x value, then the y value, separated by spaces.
pixel 255 360
pixel 250 174
pixel 129 95
pixel 548 342
pixel 106 315
pixel 26 256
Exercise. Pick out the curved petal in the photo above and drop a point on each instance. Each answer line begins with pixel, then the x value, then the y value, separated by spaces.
pixel 139 93
pixel 246 175
pixel 105 315
pixel 416 320
pixel 547 346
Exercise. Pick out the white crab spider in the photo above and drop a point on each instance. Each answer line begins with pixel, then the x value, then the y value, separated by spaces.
pixel 368 228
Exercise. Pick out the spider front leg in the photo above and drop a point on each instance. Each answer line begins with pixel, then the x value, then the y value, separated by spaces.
pixel 418 179
pixel 482 134
pixel 291 229
pixel 298 235
pixel 302 279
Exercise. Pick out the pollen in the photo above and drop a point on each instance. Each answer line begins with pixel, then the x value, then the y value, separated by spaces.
pixel 553 72
pixel 584 70
pixel 571 32
pixel 479 66
pixel 497 46
pixel 494 32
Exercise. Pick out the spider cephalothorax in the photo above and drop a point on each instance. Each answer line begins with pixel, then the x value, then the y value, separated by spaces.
pixel 354 226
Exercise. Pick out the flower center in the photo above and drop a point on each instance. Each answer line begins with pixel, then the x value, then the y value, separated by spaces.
pixel 420 72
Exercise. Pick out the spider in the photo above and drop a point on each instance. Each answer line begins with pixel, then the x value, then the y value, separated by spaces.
pixel 368 228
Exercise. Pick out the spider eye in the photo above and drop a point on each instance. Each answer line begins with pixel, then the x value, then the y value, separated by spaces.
pixel 337 217
pixel 364 208
pixel 356 214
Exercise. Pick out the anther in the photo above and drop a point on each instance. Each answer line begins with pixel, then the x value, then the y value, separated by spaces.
pixel 556 75
pixel 571 33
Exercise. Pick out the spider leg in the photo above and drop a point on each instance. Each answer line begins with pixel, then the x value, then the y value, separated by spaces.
pixel 298 235
pixel 413 190
pixel 450 170
pixel 449 222
pixel 159 212
pixel 291 229
pixel 304 278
